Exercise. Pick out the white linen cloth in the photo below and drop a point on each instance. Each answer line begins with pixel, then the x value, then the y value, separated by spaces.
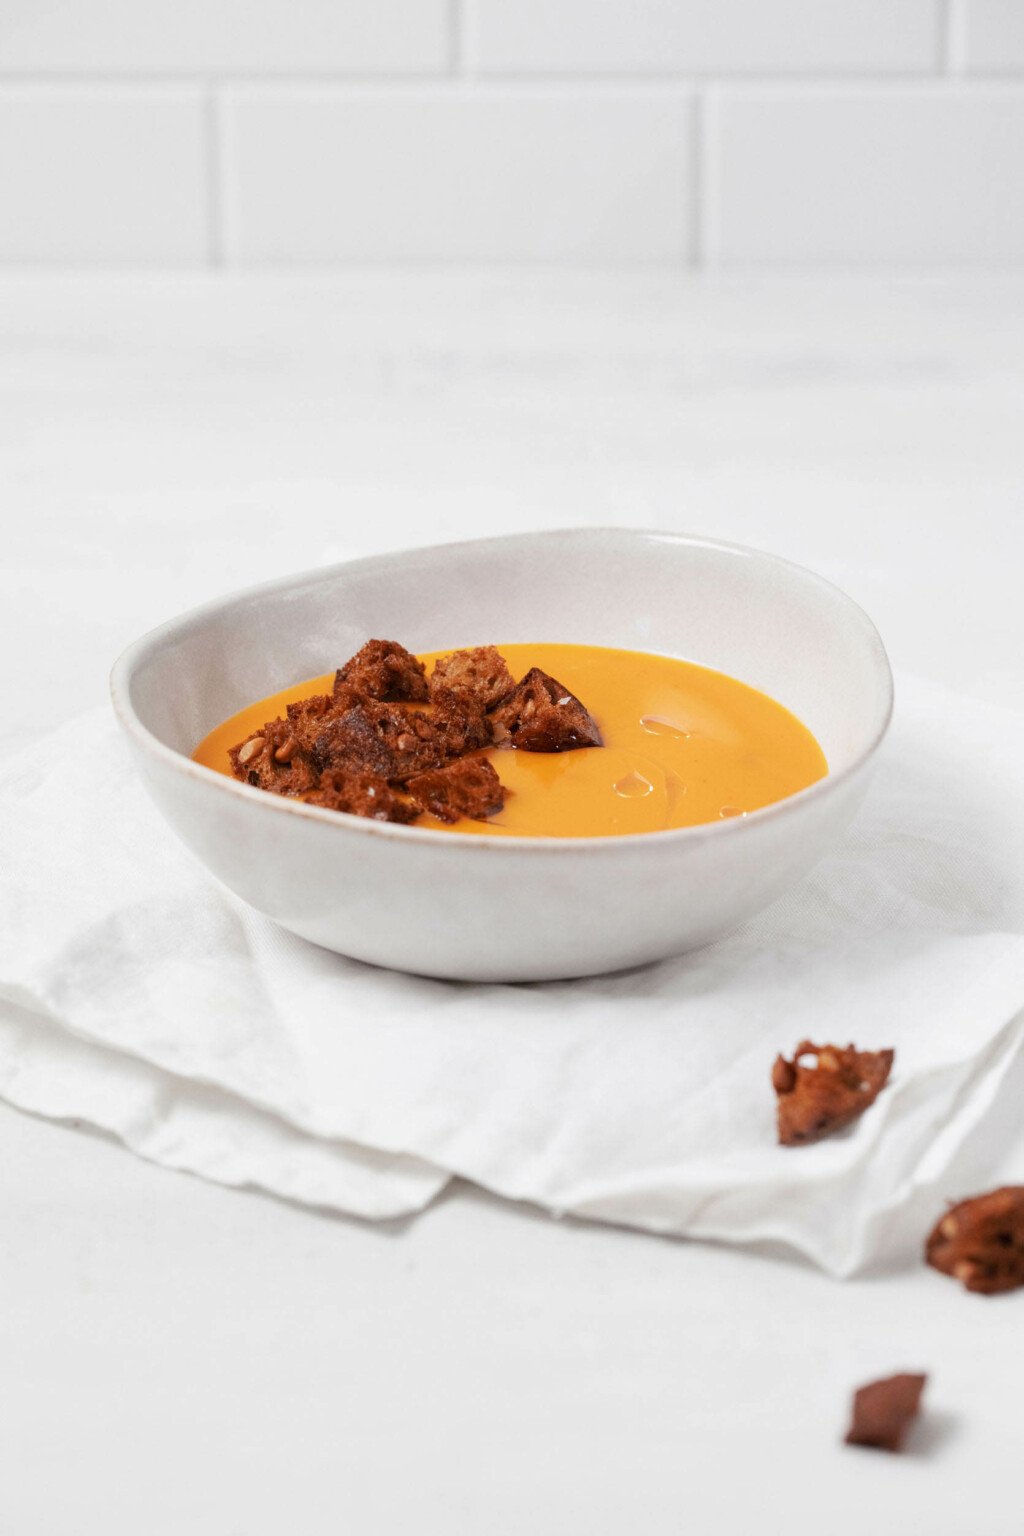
pixel 137 996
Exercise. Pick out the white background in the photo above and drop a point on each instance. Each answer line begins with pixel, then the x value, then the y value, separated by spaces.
pixel 177 1358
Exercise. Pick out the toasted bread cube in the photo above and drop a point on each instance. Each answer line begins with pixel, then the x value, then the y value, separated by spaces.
pixel 884 1410
pixel 460 722
pixel 384 670
pixel 980 1241
pixel 274 759
pixel 541 715
pixel 468 787
pixel 382 739
pixel 351 743
pixel 362 794
pixel 814 1101
pixel 413 740
pixel 481 673
pixel 307 717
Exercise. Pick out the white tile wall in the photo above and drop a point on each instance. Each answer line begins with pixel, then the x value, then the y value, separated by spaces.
pixel 703 36
pixel 234 36
pixel 994 36
pixel 546 174
pixel 111 176
pixel 669 131
pixel 881 174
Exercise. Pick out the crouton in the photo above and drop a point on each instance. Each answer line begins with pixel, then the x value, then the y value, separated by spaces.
pixel 351 743
pixel 540 715
pixel 307 717
pixel 384 670
pixel 815 1101
pixel 362 794
pixel 884 1410
pixel 980 1242
pixel 482 673
pixel 273 759
pixel 467 787
pixel 460 722
pixel 381 739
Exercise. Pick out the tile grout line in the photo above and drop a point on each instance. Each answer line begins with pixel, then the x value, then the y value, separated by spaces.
pixel 457 25
pixel 705 202
pixel 1009 268
pixel 409 83
pixel 697 170
pixel 214 160
pixel 953 40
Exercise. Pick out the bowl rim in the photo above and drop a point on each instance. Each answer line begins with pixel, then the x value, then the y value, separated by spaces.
pixel 134 655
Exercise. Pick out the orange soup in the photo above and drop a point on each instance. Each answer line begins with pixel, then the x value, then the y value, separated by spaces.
pixel 682 745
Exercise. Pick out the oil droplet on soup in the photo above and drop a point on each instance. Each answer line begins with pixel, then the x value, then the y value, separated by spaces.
pixel 658 727
pixel 633 783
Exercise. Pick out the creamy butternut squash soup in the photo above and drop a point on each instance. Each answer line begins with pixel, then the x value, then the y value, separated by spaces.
pixel 681 745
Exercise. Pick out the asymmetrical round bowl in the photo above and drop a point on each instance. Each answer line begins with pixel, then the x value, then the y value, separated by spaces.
pixel 501 908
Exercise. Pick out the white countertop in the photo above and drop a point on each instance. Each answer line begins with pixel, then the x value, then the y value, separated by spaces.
pixel 180 1358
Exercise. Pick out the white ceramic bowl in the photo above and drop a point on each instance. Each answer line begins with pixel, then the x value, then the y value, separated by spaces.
pixel 498 908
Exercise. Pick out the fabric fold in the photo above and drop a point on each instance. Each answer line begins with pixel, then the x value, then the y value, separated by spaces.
pixel 195 1128
pixel 137 995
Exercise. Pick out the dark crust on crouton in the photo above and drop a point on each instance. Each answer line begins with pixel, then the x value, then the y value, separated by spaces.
pixel 460 722
pixel 308 716
pixel 362 794
pixel 884 1410
pixel 395 742
pixel 540 715
pixel 412 739
pixel 351 743
pixel 467 787
pixel 382 739
pixel 980 1241
pixel 814 1101
pixel 481 672
pixel 384 670
pixel 273 759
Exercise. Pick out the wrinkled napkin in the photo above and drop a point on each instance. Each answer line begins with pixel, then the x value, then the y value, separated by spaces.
pixel 137 996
